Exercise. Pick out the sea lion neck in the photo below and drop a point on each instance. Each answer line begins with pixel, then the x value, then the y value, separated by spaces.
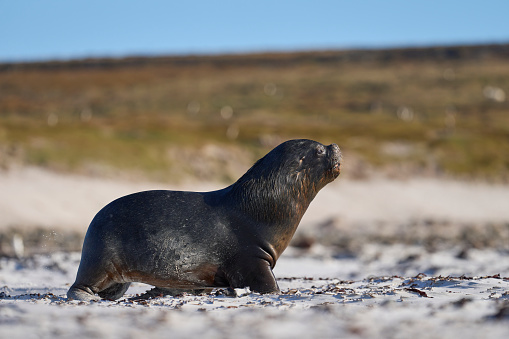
pixel 275 204
pixel 269 202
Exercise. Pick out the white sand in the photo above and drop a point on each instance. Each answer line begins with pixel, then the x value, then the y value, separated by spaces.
pixel 330 298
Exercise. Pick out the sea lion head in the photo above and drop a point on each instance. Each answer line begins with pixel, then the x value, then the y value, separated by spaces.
pixel 298 168
pixel 318 164
pixel 278 189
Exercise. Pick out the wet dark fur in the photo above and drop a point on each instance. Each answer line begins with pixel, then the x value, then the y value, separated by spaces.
pixel 191 240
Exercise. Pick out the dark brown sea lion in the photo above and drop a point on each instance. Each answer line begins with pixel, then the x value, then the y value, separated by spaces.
pixel 195 240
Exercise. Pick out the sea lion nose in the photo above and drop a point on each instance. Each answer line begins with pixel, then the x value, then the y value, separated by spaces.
pixel 335 152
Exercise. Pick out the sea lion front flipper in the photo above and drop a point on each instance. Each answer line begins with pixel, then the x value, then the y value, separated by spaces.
pixel 257 275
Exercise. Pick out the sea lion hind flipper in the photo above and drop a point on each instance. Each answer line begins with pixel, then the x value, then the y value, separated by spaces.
pixel 81 293
pixel 114 292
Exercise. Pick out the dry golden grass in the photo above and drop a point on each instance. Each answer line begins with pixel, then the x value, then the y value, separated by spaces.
pixel 422 109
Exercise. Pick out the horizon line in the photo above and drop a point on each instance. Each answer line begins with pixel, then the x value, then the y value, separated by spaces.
pixel 241 52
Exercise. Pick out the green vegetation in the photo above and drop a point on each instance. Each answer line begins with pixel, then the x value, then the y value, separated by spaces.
pixel 440 111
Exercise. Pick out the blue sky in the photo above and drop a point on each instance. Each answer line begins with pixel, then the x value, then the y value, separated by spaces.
pixel 63 29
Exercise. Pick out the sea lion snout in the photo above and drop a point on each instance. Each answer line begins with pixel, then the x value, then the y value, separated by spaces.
pixel 335 158
pixel 335 152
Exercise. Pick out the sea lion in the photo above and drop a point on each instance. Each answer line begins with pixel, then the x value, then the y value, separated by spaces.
pixel 231 237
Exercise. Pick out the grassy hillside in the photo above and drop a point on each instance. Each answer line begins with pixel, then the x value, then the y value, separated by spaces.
pixel 435 111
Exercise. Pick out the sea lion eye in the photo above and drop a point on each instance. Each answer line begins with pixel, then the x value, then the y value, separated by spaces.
pixel 320 150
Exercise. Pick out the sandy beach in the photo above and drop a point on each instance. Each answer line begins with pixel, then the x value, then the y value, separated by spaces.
pixel 391 284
